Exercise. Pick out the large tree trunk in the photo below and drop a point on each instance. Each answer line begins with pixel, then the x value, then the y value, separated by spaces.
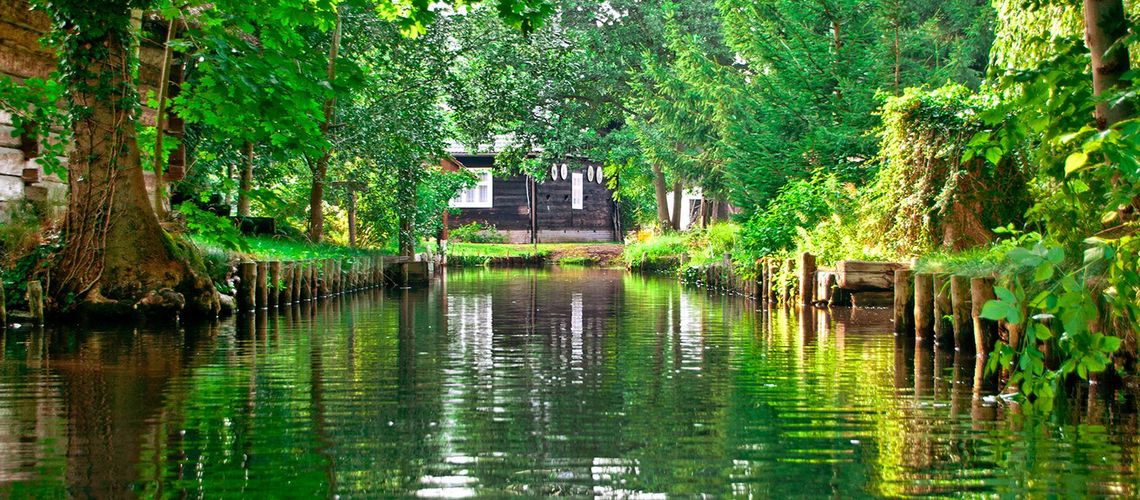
pixel 115 252
pixel 660 189
pixel 321 170
pixel 160 123
pixel 677 198
pixel 246 183
pixel 1104 25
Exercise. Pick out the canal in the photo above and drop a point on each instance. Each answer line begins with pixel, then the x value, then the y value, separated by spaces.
pixel 544 382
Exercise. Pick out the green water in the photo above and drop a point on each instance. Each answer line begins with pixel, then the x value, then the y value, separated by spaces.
pixel 494 383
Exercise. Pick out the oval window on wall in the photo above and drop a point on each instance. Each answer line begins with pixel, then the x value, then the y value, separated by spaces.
pixel 565 171
pixel 598 176
pixel 554 171
pixel 590 174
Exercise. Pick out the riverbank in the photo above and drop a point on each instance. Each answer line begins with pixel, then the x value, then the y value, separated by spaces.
pixel 222 264
pixel 461 254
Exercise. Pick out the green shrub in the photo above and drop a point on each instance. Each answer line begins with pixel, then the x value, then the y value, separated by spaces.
pixel 658 253
pixel 935 191
pixel 800 204
pixel 477 233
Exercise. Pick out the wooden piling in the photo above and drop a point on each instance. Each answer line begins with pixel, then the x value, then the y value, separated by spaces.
pixel 298 281
pixel 904 301
pixel 985 331
pixel 313 270
pixel 247 275
pixel 275 284
pixel 341 269
pixel 286 284
pixel 807 278
pixel 3 309
pixel 960 305
pixel 304 283
pixel 765 280
pixel 262 282
pixel 789 287
pixel 943 308
pixel 923 306
pixel 35 298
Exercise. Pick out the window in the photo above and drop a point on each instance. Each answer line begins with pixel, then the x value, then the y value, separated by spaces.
pixel 479 195
pixel 576 191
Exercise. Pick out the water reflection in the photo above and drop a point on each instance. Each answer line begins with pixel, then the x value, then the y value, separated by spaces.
pixel 583 383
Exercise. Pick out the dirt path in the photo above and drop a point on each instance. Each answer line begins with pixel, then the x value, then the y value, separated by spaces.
pixel 604 255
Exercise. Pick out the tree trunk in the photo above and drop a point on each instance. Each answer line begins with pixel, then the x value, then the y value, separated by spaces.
pixel 115 252
pixel 659 189
pixel 677 188
pixel 351 217
pixel 1104 25
pixel 246 182
pixel 321 171
pixel 160 123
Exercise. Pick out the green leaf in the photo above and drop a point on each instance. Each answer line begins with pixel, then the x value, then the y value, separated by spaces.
pixel 1094 254
pixel 1075 162
pixel 995 310
pixel 993 155
pixel 1111 344
pixel 1043 272
pixel 1042 332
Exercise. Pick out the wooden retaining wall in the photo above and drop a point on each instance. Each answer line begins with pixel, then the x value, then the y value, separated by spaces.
pixel 940 308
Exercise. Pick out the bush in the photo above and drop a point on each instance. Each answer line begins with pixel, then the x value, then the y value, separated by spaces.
pixel 477 233
pixel 934 190
pixel 800 204
pixel 19 234
pixel 660 253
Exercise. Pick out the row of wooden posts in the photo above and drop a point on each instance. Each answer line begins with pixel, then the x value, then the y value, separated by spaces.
pixel 947 309
pixel 265 284
pixel 939 307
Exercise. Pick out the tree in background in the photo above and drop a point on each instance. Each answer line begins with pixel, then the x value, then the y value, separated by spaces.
pixel 115 252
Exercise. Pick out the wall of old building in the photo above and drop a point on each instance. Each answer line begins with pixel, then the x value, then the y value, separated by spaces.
pixel 22 178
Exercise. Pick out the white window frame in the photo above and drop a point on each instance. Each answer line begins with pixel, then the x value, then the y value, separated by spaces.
pixel 470 198
pixel 576 198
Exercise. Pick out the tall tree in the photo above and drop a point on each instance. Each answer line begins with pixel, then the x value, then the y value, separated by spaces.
pixel 114 249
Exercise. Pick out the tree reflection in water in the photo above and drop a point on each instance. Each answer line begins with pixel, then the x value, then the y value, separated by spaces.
pixel 581 382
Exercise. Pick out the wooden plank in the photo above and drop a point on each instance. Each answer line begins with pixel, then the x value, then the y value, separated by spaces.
pixel 866 276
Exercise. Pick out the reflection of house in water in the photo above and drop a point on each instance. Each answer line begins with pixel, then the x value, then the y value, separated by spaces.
pixel 470 320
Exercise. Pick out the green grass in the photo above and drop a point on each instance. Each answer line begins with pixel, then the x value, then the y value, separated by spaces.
pixel 659 253
pixel 974 263
pixel 458 249
pixel 582 254
pixel 262 247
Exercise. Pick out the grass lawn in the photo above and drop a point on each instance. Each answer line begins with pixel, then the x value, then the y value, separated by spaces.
pixel 568 253
pixel 267 248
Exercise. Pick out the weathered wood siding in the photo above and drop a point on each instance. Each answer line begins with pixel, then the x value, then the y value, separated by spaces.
pixel 21 57
pixel 556 219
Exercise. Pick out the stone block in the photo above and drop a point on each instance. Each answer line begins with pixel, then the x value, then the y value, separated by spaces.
pixel 11 188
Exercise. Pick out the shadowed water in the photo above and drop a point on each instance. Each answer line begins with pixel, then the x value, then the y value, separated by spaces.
pixel 576 382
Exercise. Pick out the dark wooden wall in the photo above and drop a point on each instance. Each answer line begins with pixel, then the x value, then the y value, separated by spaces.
pixel 554 212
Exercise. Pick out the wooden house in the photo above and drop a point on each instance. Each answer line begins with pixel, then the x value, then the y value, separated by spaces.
pixel 570 203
